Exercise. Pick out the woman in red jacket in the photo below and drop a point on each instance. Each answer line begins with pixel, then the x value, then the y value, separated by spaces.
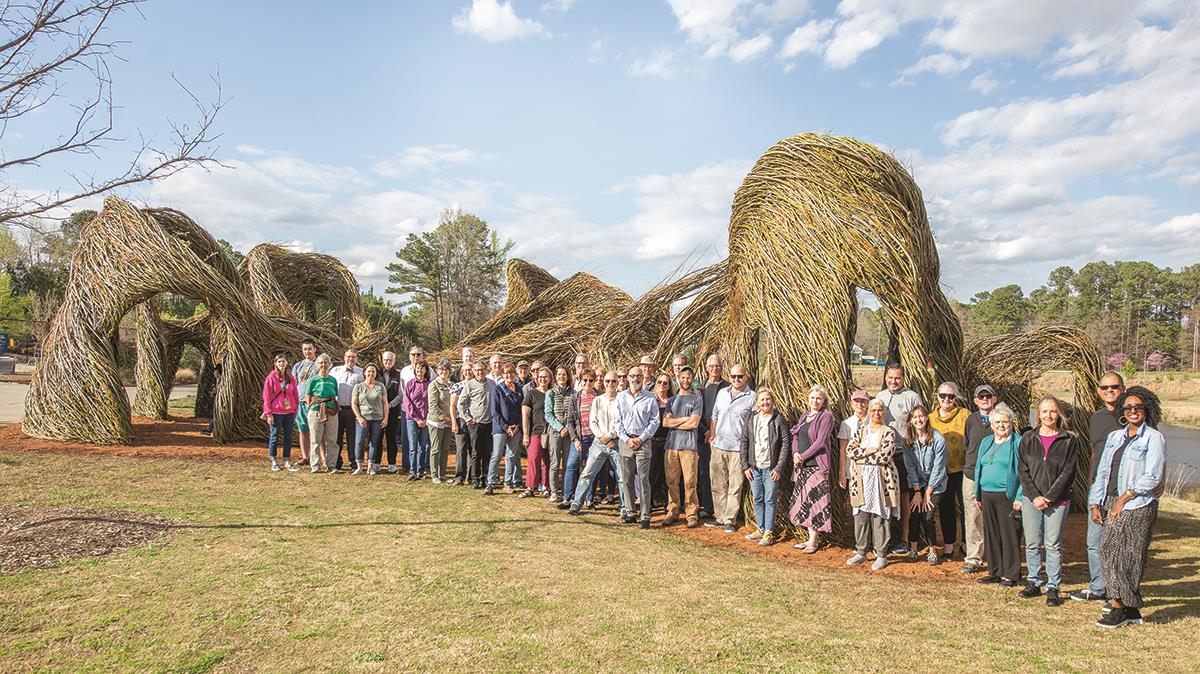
pixel 279 403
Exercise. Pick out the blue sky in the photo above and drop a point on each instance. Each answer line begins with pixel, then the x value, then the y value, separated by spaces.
pixel 609 136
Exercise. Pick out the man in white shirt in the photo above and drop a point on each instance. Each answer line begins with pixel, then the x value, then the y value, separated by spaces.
pixel 494 372
pixel 635 423
pixel 348 375
pixel 733 406
pixel 301 371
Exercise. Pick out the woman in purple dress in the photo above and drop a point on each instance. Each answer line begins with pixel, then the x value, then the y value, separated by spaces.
pixel 811 438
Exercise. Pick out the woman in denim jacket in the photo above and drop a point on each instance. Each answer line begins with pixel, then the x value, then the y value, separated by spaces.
pixel 1124 501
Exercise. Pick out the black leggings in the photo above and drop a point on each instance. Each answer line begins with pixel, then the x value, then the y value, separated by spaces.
pixel 922 529
pixel 950 511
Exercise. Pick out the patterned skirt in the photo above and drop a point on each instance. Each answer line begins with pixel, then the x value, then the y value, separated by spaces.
pixel 1124 551
pixel 810 501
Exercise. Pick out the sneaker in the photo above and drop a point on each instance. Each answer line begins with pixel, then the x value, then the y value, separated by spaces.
pixel 970 567
pixel 489 491
pixel 1052 598
pixel 315 469
pixel 628 519
pixel 692 524
pixel 412 477
pixel 1133 616
pixel 932 559
pixel 911 556
pixel 900 549
pixel 563 505
pixel 645 524
pixel 880 562
pixel 393 469
pixel 1030 591
pixel 274 468
pixel 1113 619
pixel 754 535
pixel 767 539
pixel 856 558
pixel 714 524
pixel 292 469
pixel 1004 582
pixel 988 580
pixel 670 521
pixel 705 515
pixel 330 471
pixel 356 471
pixel 1086 595
pixel 437 480
pixel 572 510
pixel 730 528
pixel 372 471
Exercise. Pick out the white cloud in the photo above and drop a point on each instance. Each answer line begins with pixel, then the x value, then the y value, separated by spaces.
pixel 941 64
pixel 779 11
pixel 708 22
pixel 750 48
pixel 683 212
pixel 557 6
pixel 596 50
pixel 661 62
pixel 808 38
pixel 983 83
pixel 425 158
pixel 496 21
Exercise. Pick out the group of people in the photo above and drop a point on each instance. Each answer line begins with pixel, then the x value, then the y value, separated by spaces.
pixel 688 444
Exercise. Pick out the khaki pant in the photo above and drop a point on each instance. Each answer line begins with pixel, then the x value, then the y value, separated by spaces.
pixel 323 437
pixel 725 471
pixel 972 523
pixel 685 465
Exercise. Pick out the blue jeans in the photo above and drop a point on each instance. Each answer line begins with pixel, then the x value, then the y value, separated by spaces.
pixel 512 461
pixel 373 431
pixel 418 447
pixel 283 425
pixel 575 460
pixel 1043 527
pixel 764 490
pixel 1096 584
pixel 597 455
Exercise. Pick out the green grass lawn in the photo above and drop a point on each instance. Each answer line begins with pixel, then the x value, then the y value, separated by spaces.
pixel 288 572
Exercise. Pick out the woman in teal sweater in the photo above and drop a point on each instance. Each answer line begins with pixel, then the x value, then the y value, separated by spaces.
pixel 998 495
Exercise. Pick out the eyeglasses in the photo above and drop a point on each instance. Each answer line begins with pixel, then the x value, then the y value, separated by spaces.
pixel 416 353
pixel 984 396
pixel 1109 387
pixel 621 376
pixel 946 396
pixel 1133 407
pixel 586 380
pixel 737 376
pixel 664 382
pixel 610 381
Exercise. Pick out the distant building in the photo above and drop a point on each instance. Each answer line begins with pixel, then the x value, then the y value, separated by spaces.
pixel 856 355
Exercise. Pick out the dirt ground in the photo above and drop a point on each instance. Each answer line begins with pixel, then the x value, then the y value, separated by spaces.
pixel 43 537
pixel 182 438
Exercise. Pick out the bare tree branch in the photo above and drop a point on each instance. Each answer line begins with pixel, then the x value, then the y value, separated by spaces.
pixel 41 42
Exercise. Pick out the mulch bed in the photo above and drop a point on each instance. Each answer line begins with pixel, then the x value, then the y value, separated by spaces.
pixel 175 438
pixel 37 536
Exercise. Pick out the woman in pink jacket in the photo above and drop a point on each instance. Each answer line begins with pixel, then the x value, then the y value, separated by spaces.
pixel 279 403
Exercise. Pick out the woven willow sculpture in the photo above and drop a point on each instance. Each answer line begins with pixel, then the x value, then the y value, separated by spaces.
pixel 125 257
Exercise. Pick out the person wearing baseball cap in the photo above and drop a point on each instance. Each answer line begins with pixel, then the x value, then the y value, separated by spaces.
pixel 849 426
pixel 977 427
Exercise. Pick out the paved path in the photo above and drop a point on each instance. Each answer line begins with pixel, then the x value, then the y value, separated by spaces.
pixel 12 399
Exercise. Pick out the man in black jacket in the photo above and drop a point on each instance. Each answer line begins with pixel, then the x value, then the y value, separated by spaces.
pixel 389 376
pixel 977 428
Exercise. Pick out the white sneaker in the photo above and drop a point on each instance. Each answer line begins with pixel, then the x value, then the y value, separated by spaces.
pixel 393 469
pixel 356 471
pixel 856 559
pixel 274 468
pixel 315 469
pixel 880 562
pixel 437 480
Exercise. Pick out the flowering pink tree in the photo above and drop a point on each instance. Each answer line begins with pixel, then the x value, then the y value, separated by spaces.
pixel 1158 360
pixel 1118 360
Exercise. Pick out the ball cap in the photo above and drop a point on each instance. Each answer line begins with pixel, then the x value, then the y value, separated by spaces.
pixel 860 395
pixel 984 388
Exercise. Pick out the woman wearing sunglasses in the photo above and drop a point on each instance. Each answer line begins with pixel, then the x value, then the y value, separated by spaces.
pixel 1124 501
pixel 658 443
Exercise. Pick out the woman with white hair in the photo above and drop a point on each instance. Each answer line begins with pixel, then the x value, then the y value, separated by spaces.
pixel 874 485
pixel 998 495
pixel 320 394
pixel 811 437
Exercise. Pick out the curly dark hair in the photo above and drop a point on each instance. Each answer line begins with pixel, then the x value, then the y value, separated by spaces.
pixel 1153 406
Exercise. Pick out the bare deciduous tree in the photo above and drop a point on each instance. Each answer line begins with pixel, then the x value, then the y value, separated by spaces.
pixel 50 50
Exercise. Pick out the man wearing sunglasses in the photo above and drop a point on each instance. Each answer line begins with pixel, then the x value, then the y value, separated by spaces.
pixel 1104 420
pixel 636 420
pixel 977 428
pixel 732 408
